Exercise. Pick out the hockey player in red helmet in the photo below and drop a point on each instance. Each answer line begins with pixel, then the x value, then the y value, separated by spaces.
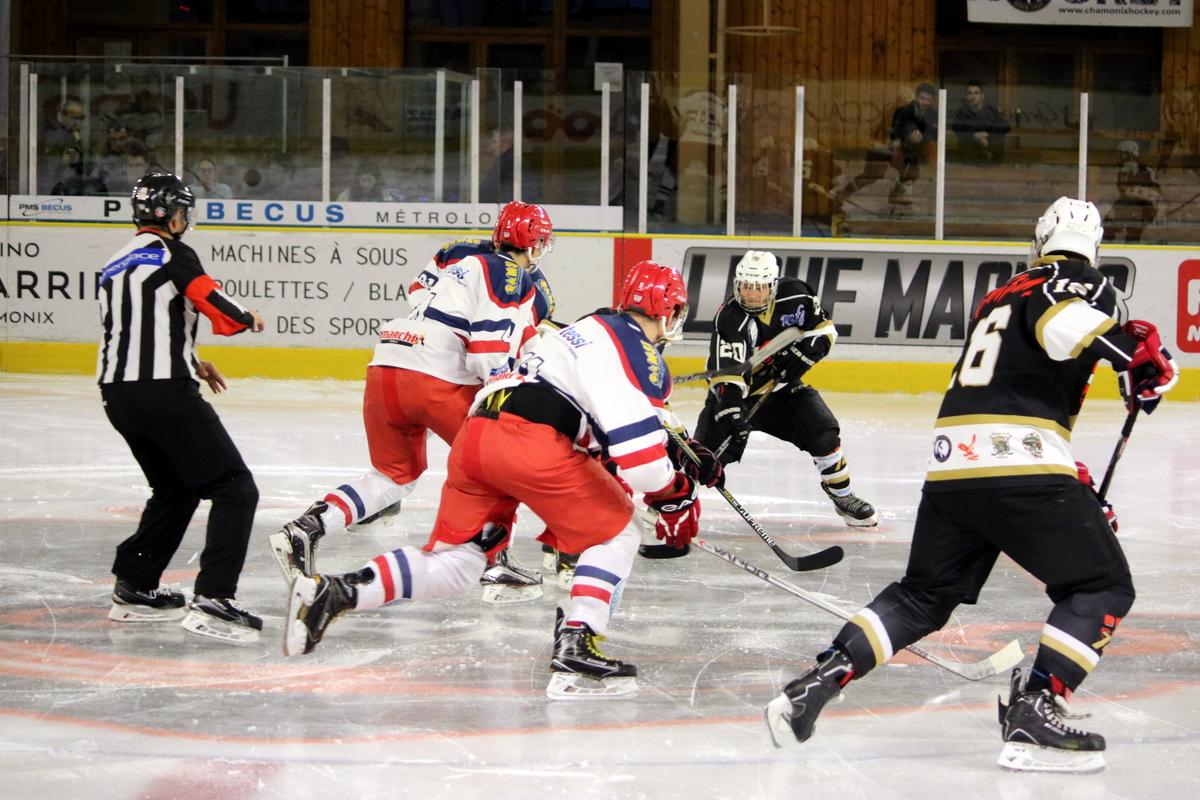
pixel 594 387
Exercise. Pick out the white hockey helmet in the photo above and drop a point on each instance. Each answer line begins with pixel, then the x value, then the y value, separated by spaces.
pixel 758 269
pixel 1071 226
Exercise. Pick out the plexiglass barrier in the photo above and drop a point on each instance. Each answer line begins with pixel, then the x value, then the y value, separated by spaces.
pixel 748 155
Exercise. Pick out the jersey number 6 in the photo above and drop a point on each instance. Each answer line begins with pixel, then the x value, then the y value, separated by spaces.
pixel 979 362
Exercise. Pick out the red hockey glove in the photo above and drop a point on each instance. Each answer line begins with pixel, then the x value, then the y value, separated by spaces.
pixel 1085 477
pixel 1151 373
pixel 708 472
pixel 678 511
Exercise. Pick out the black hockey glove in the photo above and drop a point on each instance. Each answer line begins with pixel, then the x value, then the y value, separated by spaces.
pixel 790 363
pixel 708 472
pixel 730 416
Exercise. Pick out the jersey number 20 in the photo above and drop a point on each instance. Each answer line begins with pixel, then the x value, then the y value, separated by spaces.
pixel 979 362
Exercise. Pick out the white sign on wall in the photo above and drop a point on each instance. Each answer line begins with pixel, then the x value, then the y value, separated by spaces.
pixel 1141 13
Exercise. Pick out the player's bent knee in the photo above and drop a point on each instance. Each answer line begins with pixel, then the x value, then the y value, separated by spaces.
pixel 825 442
pixel 1115 600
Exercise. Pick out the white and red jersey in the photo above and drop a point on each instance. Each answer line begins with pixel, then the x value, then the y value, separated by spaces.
pixel 607 369
pixel 468 324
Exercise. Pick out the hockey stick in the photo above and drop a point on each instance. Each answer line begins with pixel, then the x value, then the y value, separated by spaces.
pixel 998 662
pixel 786 337
pixel 818 560
pixel 1118 451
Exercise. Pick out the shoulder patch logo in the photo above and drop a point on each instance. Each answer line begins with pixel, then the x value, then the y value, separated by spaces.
pixel 654 364
pixel 797 319
pixel 942 449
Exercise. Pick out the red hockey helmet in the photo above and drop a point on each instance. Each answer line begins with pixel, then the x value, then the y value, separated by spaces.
pixel 525 226
pixel 657 291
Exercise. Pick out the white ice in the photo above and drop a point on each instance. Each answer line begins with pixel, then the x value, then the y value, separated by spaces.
pixel 445 699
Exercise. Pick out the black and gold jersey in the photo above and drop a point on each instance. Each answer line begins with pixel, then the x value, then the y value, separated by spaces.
pixel 737 333
pixel 1020 381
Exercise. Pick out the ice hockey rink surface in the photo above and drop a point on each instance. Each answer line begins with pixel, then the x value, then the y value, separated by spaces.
pixel 445 699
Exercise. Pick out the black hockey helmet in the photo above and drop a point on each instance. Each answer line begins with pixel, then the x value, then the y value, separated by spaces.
pixel 157 195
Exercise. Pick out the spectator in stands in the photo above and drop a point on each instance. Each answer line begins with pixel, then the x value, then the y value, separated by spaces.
pixel 980 128
pixel 208 182
pixel 496 167
pixel 912 132
pixel 110 156
pixel 279 180
pixel 1137 205
pixel 71 180
pixel 136 163
pixel 63 148
pixel 367 186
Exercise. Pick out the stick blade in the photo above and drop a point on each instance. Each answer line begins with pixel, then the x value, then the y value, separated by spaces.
pixel 997 663
pixel 814 561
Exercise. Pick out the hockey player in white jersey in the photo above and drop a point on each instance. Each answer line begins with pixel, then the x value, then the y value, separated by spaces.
pixel 474 306
pixel 532 437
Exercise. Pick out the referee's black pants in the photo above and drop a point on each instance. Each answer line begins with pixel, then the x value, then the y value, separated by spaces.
pixel 186 455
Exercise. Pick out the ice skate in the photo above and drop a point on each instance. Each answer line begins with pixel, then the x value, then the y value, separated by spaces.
pixel 793 715
pixel 1037 740
pixel 549 558
pixel 564 567
pixel 134 605
pixel 295 546
pixel 314 603
pixel 221 618
pixel 580 671
pixel 856 512
pixel 507 581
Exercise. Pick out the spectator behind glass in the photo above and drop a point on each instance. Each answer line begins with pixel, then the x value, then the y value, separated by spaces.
pixel 278 182
pixel 980 128
pixel 110 157
pixel 208 182
pixel 63 148
pixel 71 180
pixel 134 166
pixel 367 186
pixel 912 133
pixel 1137 205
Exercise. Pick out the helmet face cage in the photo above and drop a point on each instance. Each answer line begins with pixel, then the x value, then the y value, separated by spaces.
pixel 525 226
pixel 756 270
pixel 157 196
pixel 657 291
pixel 1068 225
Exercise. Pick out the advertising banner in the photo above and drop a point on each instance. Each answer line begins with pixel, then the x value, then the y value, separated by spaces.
pixel 1143 13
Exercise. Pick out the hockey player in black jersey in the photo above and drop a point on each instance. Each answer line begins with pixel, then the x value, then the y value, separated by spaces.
pixel 1001 478
pixel 764 305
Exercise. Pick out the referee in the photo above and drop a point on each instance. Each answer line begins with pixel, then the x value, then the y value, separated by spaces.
pixel 151 295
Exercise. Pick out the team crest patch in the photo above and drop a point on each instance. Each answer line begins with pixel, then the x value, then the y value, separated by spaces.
pixel 1000 447
pixel 653 363
pixel 1032 442
pixel 968 449
pixel 942 449
pixel 797 319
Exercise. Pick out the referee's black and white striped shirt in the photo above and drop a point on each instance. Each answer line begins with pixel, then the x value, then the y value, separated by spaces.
pixel 151 294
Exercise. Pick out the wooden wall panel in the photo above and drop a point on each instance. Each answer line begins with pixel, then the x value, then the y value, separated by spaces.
pixel 356 33
pixel 1181 87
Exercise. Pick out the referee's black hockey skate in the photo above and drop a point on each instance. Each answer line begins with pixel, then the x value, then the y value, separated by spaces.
pixel 506 581
pixel 1037 740
pixel 856 512
pixel 580 671
pixel 295 546
pixel 793 714
pixel 313 604
pixel 221 618
pixel 130 604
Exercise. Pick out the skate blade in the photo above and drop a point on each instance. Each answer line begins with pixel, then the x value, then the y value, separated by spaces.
pixel 869 522
pixel 501 594
pixel 777 714
pixel 573 686
pixel 202 624
pixel 123 612
pixel 281 548
pixel 1019 757
pixel 295 633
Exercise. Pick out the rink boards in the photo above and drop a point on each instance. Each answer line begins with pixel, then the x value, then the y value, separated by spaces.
pixel 325 276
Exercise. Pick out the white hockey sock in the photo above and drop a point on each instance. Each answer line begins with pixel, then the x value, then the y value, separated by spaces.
pixel 835 473
pixel 600 578
pixel 410 573
pixel 358 499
